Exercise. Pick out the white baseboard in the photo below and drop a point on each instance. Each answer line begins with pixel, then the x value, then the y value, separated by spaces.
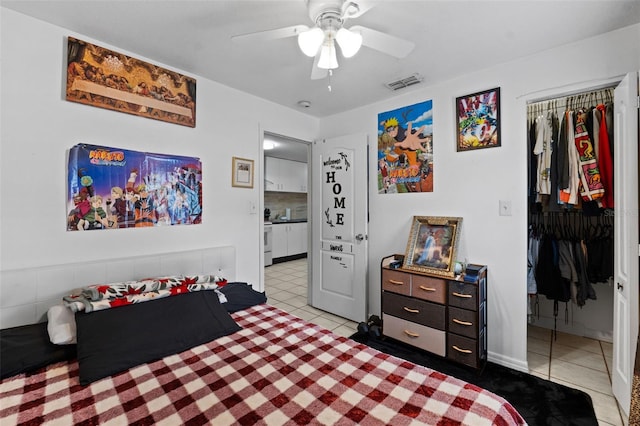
pixel 513 363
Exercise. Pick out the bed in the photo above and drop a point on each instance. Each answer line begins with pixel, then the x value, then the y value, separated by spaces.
pixel 196 358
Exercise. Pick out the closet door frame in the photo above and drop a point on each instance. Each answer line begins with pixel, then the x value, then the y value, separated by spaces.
pixel 626 223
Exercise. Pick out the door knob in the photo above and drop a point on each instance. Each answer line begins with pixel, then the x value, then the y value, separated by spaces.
pixel 359 237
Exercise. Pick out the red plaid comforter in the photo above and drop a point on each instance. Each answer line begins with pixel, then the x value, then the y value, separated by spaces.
pixel 278 370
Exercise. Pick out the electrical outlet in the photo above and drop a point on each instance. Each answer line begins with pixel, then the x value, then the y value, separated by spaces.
pixel 505 208
pixel 253 209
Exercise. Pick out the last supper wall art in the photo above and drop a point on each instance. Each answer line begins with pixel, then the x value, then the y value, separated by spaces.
pixel 103 78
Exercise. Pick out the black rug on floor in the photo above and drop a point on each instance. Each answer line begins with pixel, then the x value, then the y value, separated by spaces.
pixel 539 401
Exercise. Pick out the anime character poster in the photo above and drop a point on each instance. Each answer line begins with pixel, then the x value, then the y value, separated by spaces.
pixel 405 149
pixel 478 120
pixel 111 188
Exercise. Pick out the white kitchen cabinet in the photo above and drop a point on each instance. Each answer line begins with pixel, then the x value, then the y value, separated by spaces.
pixel 297 176
pixel 285 175
pixel 272 174
pixel 297 238
pixel 279 245
pixel 289 239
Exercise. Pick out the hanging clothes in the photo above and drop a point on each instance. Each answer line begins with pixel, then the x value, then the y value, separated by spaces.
pixel 599 245
pixel 547 271
pixel 568 268
pixel 571 145
pixel 570 245
pixel 543 150
pixel 590 181
pixel 605 156
pixel 569 192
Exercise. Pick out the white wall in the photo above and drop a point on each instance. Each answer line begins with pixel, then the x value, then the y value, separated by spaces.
pixel 470 184
pixel 39 127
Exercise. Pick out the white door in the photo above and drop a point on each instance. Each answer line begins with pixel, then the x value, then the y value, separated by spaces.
pixel 339 236
pixel 625 309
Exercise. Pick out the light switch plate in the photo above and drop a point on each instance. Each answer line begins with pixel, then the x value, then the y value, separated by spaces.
pixel 505 208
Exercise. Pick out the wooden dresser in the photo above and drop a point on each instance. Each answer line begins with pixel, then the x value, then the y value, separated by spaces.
pixel 445 316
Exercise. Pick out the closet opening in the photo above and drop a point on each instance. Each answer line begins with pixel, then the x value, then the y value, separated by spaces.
pixel 571 208
pixel 571 229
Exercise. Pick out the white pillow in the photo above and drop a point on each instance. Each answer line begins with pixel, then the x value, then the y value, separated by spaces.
pixel 62 325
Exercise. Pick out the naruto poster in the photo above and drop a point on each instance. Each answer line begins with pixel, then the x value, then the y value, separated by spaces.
pixel 111 188
pixel 405 149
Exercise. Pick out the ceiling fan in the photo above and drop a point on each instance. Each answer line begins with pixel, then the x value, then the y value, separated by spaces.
pixel 319 41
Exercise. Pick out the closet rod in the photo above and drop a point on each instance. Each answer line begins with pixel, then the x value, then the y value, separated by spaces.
pixel 592 96
pixel 583 100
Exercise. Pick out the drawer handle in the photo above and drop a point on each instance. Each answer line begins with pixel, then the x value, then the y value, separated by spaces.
pixel 411 334
pixel 427 288
pixel 464 351
pixel 396 282
pixel 413 311
pixel 466 296
pixel 457 321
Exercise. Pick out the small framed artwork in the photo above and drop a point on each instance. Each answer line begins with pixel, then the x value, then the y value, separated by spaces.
pixel 242 173
pixel 478 120
pixel 432 245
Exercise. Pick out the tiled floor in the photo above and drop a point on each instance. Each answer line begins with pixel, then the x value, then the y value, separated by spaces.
pixel 573 361
pixel 286 288
pixel 577 362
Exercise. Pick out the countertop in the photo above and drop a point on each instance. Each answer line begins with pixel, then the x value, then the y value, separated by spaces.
pixel 279 222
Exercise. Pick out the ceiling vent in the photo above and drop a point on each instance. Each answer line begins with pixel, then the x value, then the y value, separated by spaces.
pixel 405 82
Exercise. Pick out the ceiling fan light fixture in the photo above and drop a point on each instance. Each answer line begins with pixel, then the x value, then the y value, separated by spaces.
pixel 267 145
pixel 328 59
pixel 310 41
pixel 349 42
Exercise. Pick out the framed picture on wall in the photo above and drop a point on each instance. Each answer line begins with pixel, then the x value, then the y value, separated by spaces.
pixel 432 245
pixel 242 173
pixel 478 120
pixel 104 78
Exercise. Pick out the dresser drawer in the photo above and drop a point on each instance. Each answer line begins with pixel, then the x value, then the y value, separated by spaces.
pixel 415 310
pixel 396 281
pixel 429 288
pixel 463 350
pixel 417 335
pixel 463 295
pixel 462 321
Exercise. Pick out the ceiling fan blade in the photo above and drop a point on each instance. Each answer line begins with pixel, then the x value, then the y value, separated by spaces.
pixel 271 34
pixel 385 43
pixel 318 73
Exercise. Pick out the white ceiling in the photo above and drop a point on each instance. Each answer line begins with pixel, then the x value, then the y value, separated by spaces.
pixel 452 38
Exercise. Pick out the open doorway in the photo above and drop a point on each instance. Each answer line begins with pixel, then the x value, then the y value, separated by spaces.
pixel 287 215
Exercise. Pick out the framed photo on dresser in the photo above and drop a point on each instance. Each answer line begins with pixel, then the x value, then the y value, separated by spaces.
pixel 432 245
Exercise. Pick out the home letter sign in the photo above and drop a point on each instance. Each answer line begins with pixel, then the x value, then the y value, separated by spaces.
pixel 337 200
